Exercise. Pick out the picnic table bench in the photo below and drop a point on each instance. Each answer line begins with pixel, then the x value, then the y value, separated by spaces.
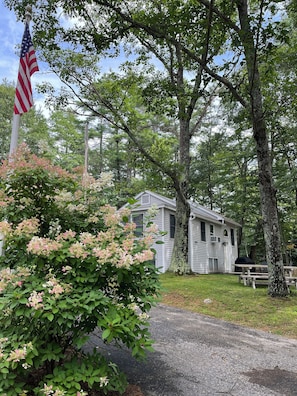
pixel 252 278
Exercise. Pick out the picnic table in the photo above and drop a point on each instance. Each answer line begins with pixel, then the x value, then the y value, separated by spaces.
pixel 251 277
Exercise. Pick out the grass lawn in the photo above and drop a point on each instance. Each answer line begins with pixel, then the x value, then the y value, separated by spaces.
pixel 223 297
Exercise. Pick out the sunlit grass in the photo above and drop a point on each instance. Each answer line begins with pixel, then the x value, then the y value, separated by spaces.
pixel 223 297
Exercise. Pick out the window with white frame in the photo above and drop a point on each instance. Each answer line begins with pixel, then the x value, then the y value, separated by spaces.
pixel 203 231
pixel 232 235
pixel 213 264
pixel 172 226
pixel 211 229
pixel 138 220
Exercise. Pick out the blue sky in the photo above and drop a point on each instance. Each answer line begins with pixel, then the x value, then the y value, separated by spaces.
pixel 11 33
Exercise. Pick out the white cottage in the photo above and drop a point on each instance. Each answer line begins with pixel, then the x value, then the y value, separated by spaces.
pixel 212 237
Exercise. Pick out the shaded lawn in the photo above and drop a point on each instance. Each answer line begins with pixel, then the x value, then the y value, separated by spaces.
pixel 223 297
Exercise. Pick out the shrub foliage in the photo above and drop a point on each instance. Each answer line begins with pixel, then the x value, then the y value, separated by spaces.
pixel 71 264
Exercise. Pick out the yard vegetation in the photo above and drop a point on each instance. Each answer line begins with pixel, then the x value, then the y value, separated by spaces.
pixel 223 297
pixel 72 264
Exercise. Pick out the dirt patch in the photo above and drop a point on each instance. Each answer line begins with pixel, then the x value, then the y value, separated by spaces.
pixel 132 390
pixel 276 379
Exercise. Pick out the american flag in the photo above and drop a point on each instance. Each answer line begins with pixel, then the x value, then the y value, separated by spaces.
pixel 28 65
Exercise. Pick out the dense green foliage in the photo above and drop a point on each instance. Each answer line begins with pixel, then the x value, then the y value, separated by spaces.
pixel 72 264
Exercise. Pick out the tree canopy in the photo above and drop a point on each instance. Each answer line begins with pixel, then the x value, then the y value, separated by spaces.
pixel 182 58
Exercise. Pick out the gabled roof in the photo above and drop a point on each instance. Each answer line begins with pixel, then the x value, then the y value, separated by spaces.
pixel 197 210
pixel 166 202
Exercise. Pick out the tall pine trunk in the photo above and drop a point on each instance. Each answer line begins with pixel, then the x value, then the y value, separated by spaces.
pixel 272 234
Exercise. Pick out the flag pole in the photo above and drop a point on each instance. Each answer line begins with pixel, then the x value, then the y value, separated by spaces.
pixel 15 133
pixel 17 117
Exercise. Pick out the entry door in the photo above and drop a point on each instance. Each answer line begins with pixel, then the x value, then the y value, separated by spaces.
pixel 227 260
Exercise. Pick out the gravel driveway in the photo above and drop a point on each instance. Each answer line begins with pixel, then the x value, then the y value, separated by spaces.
pixel 197 355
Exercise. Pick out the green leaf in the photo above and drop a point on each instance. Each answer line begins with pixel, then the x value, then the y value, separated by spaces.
pixel 50 317
pixel 106 334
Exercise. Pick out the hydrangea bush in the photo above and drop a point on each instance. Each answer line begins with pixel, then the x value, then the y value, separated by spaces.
pixel 71 264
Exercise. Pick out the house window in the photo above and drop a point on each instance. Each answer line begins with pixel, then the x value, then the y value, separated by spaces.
pixel 138 220
pixel 211 228
pixel 172 226
pixel 203 233
pixel 213 264
pixel 232 237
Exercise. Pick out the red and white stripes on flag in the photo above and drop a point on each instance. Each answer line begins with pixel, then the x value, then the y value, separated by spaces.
pixel 28 65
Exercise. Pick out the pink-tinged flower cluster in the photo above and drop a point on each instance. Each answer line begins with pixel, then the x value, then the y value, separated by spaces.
pixel 130 227
pixel 111 216
pixel 54 287
pixel 5 200
pixel 20 353
pixel 147 240
pixel 125 260
pixel 111 219
pixel 27 227
pixel 106 237
pixel 48 390
pixel 124 213
pixel 81 208
pixel 152 229
pixel 66 269
pixel 78 251
pixel 62 198
pixel 36 300
pixel 13 277
pixel 97 185
pixel 149 235
pixel 87 239
pixel 66 236
pixel 145 255
pixel 6 276
pixel 103 255
pixel 24 161
pixel 128 244
pixel 81 393
pixel 43 246
pixel 93 219
pixel 5 227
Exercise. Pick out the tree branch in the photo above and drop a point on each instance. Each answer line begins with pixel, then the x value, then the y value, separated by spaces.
pixel 159 33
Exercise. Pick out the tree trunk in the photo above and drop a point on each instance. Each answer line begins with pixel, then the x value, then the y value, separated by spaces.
pixel 180 253
pixel 272 235
pixel 180 258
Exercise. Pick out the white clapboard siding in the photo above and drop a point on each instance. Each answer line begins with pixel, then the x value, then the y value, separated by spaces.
pixel 216 254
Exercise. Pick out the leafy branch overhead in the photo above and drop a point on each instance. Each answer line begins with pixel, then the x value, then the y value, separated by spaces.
pixel 183 56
